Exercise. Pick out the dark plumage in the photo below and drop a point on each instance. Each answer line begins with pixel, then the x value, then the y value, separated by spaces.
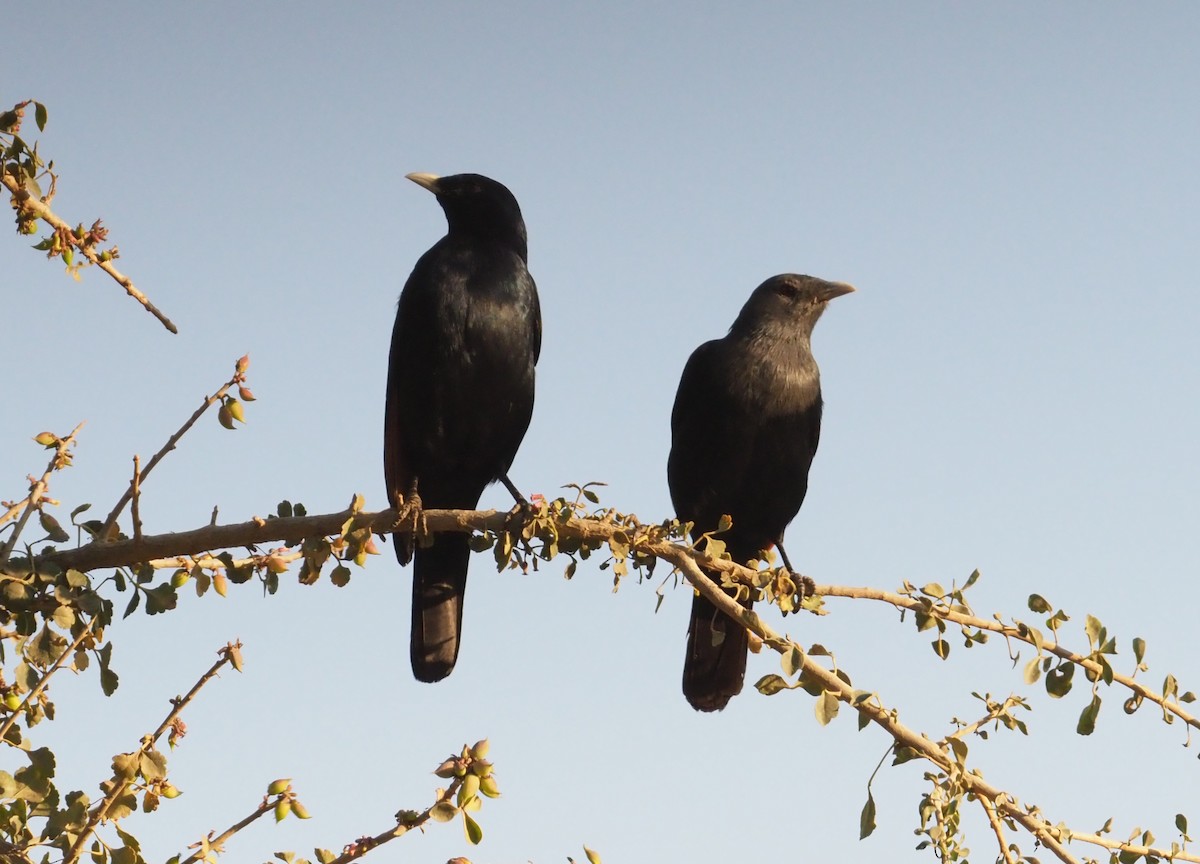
pixel 744 429
pixel 460 390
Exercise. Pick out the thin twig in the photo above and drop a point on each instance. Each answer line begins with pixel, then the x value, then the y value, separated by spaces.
pixel 363 845
pixel 41 684
pixel 1009 632
pixel 39 489
pixel 216 843
pixel 167 448
pixel 136 496
pixel 997 827
pixel 119 786
pixel 30 202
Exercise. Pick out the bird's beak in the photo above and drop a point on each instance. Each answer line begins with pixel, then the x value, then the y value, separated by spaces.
pixel 428 181
pixel 832 289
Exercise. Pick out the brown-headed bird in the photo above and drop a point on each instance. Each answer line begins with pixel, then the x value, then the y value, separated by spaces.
pixel 744 429
pixel 460 391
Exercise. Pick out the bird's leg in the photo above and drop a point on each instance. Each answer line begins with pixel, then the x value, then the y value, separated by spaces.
pixel 513 490
pixel 805 585
pixel 783 555
pixel 409 512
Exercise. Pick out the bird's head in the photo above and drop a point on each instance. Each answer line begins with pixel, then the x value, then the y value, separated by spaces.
pixel 790 300
pixel 478 206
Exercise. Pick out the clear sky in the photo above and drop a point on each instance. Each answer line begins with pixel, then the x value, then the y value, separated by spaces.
pixel 1014 190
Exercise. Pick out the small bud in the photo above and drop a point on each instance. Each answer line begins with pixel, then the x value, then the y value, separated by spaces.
pixel 481 748
pixel 245 393
pixel 169 791
pixel 180 578
pixel 224 417
pixel 446 769
pixel 279 786
pixel 276 564
pixel 243 363
pixel 47 439
pixel 220 583
pixel 300 810
pixel 282 809
pixel 12 701
pixel 235 410
pixel 468 790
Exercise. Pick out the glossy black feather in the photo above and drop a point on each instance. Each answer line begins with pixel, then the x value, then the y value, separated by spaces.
pixel 460 390
pixel 744 430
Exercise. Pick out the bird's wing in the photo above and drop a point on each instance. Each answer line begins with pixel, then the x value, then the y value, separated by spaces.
pixel 706 458
pixel 397 472
pixel 536 315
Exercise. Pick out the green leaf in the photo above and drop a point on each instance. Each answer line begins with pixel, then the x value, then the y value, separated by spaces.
pixel 153 766
pixel 125 766
pixel 1058 679
pixel 134 602
pixel 122 807
pixel 1139 648
pixel 959 748
pixel 472 829
pixel 443 811
pixel 39 115
pixel 109 681
pixel 1181 823
pixel 769 685
pixel 1037 603
pixel 905 754
pixel 1087 720
pixel 866 819
pixel 1092 628
pixel 50 526
pixel 1033 670
pixel 792 660
pixel 826 707
pixel 161 598
pixel 941 648
pixel 933 589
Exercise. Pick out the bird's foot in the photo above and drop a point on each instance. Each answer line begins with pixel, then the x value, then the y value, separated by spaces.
pixel 792 589
pixel 410 516
pixel 519 517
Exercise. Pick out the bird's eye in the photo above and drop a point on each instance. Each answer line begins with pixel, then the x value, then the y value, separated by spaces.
pixel 787 290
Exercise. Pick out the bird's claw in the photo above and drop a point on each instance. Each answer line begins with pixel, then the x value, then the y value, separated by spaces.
pixel 410 516
pixel 519 517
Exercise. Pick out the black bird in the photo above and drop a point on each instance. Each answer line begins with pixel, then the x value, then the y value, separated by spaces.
pixel 460 391
pixel 744 430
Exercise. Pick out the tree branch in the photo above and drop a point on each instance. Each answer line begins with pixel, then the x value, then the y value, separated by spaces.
pixel 230 654
pixel 624 537
pixel 139 476
pixel 1009 632
pixel 45 679
pixel 60 458
pixel 31 203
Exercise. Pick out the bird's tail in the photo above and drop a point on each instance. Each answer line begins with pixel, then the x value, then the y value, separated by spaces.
pixel 715 666
pixel 439 582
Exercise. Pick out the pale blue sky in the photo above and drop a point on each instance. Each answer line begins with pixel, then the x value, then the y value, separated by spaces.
pixel 1013 189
